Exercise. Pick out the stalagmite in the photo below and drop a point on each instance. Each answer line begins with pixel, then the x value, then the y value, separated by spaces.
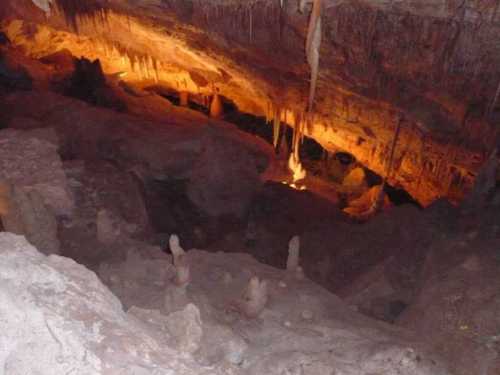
pixel 295 166
pixel 181 264
pixel 184 98
pixel 299 273
pixel 293 254
pixel 216 106
pixel 254 298
pixel 313 44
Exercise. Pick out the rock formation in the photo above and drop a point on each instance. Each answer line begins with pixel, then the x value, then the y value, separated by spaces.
pixel 125 121
pixel 368 74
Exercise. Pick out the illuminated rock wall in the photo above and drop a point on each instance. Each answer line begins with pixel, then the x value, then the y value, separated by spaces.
pixel 435 65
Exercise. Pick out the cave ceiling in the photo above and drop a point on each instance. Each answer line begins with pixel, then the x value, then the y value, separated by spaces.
pixel 432 66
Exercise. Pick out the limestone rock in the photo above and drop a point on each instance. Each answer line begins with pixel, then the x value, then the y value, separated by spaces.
pixel 57 318
pixel 225 178
pixel 367 204
pixel 33 164
pixel 456 307
pixel 109 209
pixel 186 327
pixel 254 298
pixel 25 213
pixel 108 227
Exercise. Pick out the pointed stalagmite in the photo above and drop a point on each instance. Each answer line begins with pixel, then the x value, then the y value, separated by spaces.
pixel 216 106
pixel 184 98
pixel 181 264
pixel 254 298
pixel 293 254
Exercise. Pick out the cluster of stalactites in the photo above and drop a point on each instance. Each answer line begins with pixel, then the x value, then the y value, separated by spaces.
pixel 143 65
pixel 300 121
pixel 92 15
pixel 240 17
pixel 74 11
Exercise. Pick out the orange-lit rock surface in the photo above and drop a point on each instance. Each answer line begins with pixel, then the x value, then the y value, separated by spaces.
pixel 433 64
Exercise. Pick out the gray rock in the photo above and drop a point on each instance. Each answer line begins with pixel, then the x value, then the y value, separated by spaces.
pixel 26 214
pixel 57 318
pixel 186 327
pixel 33 163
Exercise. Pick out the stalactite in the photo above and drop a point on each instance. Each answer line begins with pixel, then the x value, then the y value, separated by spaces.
pixel 379 200
pixel 250 22
pixel 393 147
pixel 269 112
pixel 313 43
pixel 297 135
pixel 74 9
pixel 155 67
pixel 276 127
pixel 493 103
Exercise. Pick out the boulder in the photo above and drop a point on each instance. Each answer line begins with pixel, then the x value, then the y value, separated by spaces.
pixel 24 212
pixel 456 309
pixel 34 188
pixel 109 209
pixel 225 177
pixel 32 163
pixel 220 163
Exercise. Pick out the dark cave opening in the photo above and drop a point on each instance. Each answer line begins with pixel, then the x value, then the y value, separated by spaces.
pixel 87 82
pixel 344 157
pixel 399 196
pixel 169 207
pixel 171 211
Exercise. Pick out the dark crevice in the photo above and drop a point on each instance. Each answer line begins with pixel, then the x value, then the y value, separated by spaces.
pixel 169 207
pixel 88 83
pixel 399 196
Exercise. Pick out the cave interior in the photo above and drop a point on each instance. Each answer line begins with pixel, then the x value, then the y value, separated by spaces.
pixel 250 187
